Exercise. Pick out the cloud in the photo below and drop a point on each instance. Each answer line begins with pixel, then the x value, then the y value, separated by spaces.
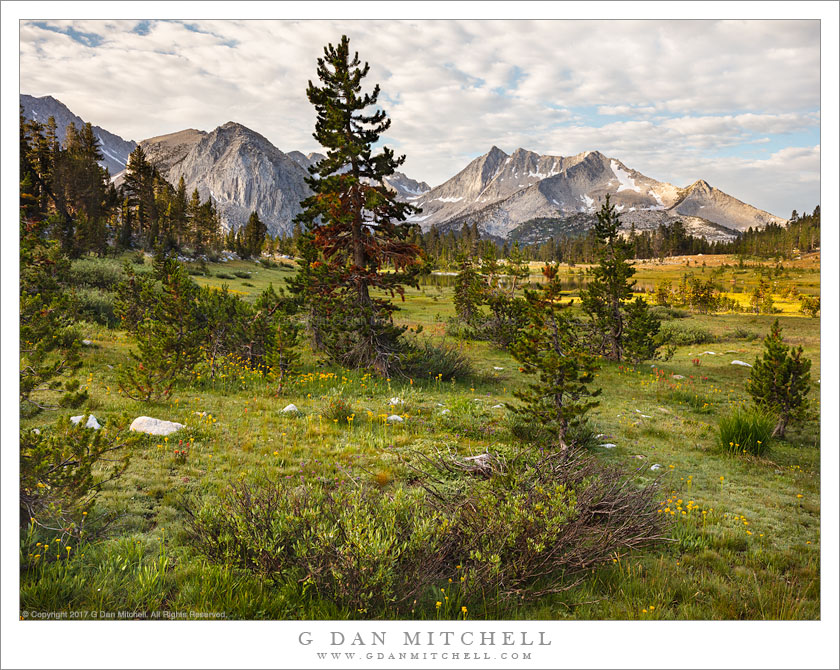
pixel 687 89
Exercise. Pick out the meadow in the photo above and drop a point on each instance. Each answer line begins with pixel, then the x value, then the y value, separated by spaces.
pixel 745 536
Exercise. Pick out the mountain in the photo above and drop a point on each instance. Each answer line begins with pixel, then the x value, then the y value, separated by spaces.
pixel 238 168
pixel 501 192
pixel 115 149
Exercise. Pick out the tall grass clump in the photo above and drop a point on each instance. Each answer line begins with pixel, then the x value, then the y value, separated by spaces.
pixel 439 361
pixel 745 431
pixel 685 334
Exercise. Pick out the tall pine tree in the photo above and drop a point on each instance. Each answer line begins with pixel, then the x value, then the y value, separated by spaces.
pixel 355 220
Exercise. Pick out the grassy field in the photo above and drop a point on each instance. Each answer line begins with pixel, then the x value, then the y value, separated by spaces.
pixel 746 533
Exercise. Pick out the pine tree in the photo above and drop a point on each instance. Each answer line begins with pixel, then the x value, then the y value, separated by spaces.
pixel 550 347
pixel 611 286
pixel 469 292
pixel 780 380
pixel 355 219
pixel 253 236
pixel 170 331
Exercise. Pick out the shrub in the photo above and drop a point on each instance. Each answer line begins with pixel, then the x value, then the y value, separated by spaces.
pixel 97 306
pixel 96 274
pixel 685 334
pixel 524 529
pixel 361 548
pixel 810 305
pixel 224 275
pixel 745 431
pixel 242 275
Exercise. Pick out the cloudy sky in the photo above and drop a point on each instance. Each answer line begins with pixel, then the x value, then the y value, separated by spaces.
pixel 736 103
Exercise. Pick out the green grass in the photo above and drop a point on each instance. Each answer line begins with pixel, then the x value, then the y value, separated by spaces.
pixel 753 555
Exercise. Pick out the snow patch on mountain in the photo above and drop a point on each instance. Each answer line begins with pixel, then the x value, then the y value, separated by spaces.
pixel 627 183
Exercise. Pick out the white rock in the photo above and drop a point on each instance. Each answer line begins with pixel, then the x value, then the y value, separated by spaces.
pixel 146 424
pixel 290 409
pixel 746 365
pixel 497 368
pixel 655 466
pixel 498 407
pixel 395 401
pixel 36 431
pixel 200 413
pixel 609 445
pixel 91 422
pixel 445 411
pixel 87 343
pixel 644 416
pixel 440 404
pixel 394 419
pixel 678 377
pixel 710 353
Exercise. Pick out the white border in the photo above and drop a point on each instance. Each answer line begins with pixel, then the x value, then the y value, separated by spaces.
pixel 574 644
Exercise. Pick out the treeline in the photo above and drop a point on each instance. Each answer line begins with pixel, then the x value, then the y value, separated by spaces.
pixel 63 184
pixel 802 235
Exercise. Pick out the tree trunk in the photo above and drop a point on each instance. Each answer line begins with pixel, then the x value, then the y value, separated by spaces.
pixel 779 430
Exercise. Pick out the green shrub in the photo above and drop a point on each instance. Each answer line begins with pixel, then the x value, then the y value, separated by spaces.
pixel 224 275
pixel 532 526
pixel 242 275
pixel 746 431
pixel 266 263
pixel 685 334
pixel 365 550
pixel 101 274
pixel 97 306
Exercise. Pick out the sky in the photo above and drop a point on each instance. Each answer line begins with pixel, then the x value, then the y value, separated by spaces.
pixel 736 103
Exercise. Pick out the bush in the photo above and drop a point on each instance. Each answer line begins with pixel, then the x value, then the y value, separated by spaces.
pixel 224 275
pixel 242 275
pixel 97 306
pixel 746 431
pixel 266 263
pixel 679 334
pixel 524 529
pixel 99 274
pixel 362 549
